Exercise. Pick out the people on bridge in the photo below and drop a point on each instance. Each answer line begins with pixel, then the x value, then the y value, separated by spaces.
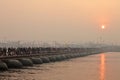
pixel 21 51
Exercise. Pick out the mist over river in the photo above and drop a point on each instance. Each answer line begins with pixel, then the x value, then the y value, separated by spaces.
pixel 104 66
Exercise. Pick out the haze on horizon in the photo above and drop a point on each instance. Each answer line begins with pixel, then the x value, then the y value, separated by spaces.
pixel 60 20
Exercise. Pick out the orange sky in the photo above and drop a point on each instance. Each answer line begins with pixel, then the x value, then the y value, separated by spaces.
pixel 59 20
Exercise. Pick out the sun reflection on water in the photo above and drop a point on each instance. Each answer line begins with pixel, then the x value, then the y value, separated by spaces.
pixel 102 67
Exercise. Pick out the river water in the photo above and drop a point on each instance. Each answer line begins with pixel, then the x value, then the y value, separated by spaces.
pixel 104 66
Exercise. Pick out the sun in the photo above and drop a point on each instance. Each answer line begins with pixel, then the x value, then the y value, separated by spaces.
pixel 103 27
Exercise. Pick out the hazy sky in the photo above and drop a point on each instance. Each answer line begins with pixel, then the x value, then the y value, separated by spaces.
pixel 60 20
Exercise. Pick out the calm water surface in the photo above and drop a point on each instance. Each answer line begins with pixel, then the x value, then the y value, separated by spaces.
pixel 105 66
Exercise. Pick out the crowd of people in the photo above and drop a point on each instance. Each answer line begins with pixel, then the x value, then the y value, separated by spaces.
pixel 21 51
pixel 28 51
pixel 36 50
